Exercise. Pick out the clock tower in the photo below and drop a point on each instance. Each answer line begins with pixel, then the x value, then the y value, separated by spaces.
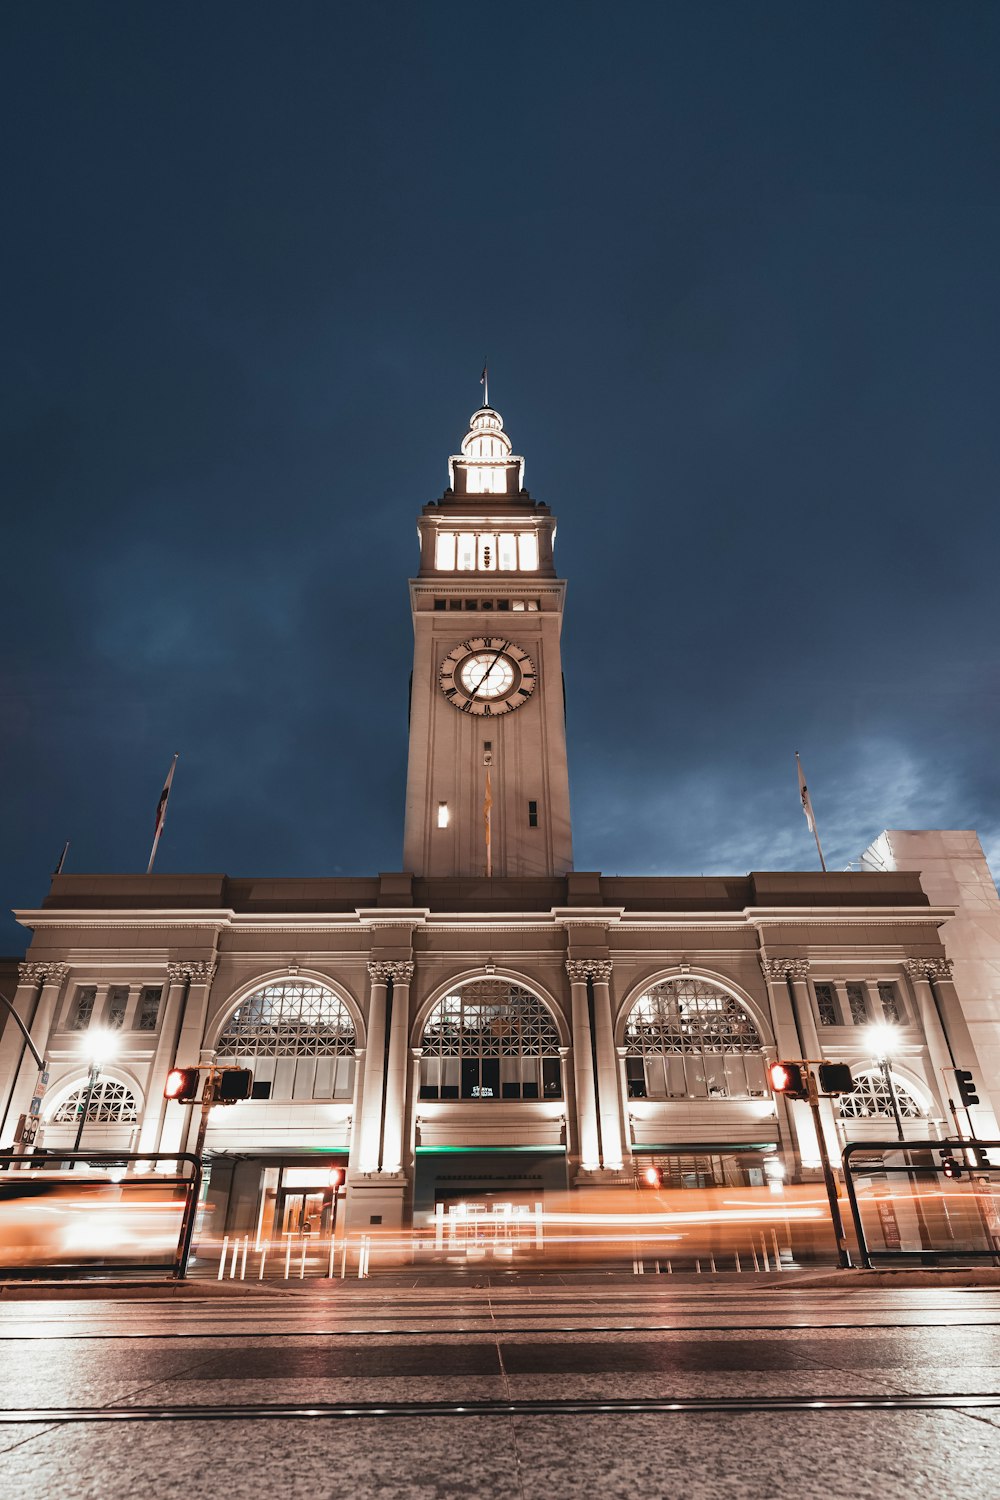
pixel 487 789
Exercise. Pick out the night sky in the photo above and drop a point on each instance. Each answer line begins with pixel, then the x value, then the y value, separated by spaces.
pixel 737 271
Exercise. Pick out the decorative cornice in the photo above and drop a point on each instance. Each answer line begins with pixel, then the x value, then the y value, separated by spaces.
pixel 46 973
pixel 400 972
pixel 192 971
pixel 582 969
pixel 785 968
pixel 929 968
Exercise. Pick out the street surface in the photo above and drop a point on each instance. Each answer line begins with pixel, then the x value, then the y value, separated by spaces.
pixel 520 1386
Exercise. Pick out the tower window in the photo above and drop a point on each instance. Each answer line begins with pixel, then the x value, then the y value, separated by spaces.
pixel 507 552
pixel 440 603
pixel 442 815
pixel 527 546
pixel 532 814
pixel 503 604
pixel 445 556
pixel 487 549
pixel 466 551
pixel 454 604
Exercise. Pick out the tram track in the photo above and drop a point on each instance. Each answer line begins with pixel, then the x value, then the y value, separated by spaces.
pixel 355 1410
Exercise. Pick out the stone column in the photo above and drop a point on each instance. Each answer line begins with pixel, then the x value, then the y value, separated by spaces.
pixel 395 1134
pixel 179 1126
pixel 357 1109
pixel 44 980
pixel 583 1067
pixel 789 1045
pixel 608 1091
pixel 179 976
pixel 371 1108
pixel 942 1081
pixel 798 975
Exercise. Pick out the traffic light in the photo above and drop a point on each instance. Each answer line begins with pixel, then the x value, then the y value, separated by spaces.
pixel 337 1175
pixel 790 1079
pixel 966 1086
pixel 982 1161
pixel 232 1085
pixel 182 1085
pixel 652 1177
pixel 950 1165
pixel 835 1078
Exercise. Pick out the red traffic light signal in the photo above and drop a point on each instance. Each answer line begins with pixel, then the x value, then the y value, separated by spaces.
pixel 652 1177
pixel 951 1167
pixel 337 1175
pixel 232 1085
pixel 790 1079
pixel 182 1085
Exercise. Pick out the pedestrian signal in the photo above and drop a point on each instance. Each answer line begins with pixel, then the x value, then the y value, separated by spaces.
pixel 233 1085
pixel 790 1079
pixel 182 1085
pixel 835 1078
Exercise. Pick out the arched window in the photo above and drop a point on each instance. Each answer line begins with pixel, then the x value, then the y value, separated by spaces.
pixel 298 1039
pixel 688 1039
pixel 111 1103
pixel 490 1039
pixel 871 1100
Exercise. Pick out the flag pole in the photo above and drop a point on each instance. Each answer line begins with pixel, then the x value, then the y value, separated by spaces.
pixel 62 859
pixel 807 808
pixel 488 813
pixel 161 812
pixel 484 381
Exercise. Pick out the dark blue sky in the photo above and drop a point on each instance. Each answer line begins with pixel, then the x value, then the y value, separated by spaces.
pixel 735 267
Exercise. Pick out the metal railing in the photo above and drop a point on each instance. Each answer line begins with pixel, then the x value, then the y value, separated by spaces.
pixel 943 1220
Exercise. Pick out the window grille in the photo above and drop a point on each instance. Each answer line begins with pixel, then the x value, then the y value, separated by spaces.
pixel 83 1009
pixel 890 1003
pixel 117 1003
pixel 870 1099
pixel 490 1039
pixel 149 1008
pixel 694 1041
pixel 826 1005
pixel 857 1000
pixel 296 1035
pixel 111 1103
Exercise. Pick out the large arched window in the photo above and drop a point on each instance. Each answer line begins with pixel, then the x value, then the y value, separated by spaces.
pixel 871 1099
pixel 490 1039
pixel 298 1039
pixel 111 1103
pixel 689 1039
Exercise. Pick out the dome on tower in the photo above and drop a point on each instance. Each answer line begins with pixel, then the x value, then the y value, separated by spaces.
pixel 486 441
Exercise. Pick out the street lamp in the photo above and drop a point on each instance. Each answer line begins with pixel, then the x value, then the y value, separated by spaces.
pixel 882 1038
pixel 99 1046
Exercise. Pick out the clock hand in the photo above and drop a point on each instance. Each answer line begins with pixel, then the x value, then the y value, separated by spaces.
pixel 486 674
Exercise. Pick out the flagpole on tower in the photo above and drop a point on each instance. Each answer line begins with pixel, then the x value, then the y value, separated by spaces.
pixel 161 812
pixel 484 381
pixel 807 808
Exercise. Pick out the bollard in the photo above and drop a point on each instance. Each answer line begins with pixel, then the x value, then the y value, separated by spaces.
pixel 739 1267
pixel 777 1253
pixel 712 1264
pixel 697 1266
pixel 243 1263
pixel 753 1252
pixel 222 1257
pixel 329 1267
pixel 263 1258
pixel 236 1251
pixel 656 1263
pixel 302 1264
pixel 343 1259
pixel 670 1268
pixel 288 1252
pixel 763 1253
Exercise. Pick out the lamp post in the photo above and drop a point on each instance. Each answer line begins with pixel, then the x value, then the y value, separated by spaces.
pixel 881 1036
pixel 99 1046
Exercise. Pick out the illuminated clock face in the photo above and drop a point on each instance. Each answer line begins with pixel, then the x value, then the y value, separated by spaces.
pixel 488 675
